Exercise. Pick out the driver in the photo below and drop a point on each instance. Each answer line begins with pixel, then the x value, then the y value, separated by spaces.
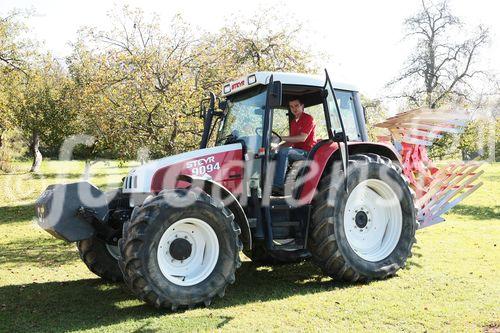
pixel 296 146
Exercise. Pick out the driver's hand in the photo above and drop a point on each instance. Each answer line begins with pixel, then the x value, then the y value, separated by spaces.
pixel 274 146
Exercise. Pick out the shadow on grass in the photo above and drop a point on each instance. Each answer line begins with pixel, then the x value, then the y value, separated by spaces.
pixel 16 214
pixel 477 212
pixel 411 261
pixel 65 306
pixel 40 252
pixel 87 304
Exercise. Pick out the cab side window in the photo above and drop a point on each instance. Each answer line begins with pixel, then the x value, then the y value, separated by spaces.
pixel 346 104
pixel 345 100
pixel 281 121
pixel 318 113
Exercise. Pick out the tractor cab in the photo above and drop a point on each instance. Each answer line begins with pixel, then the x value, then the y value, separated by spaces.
pixel 254 111
pixel 244 106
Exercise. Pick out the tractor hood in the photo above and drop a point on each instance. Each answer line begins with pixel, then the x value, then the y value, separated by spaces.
pixel 222 164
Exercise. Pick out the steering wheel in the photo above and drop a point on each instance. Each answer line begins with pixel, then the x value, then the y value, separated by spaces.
pixel 276 135
pixel 259 129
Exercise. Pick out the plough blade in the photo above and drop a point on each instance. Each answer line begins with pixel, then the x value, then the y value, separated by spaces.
pixel 437 190
pixel 430 213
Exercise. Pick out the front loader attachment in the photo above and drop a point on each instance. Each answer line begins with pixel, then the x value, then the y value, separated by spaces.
pixel 71 211
pixel 437 190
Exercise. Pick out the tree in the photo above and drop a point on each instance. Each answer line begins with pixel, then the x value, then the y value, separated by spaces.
pixel 14 52
pixel 133 85
pixel 374 113
pixel 41 110
pixel 140 86
pixel 441 68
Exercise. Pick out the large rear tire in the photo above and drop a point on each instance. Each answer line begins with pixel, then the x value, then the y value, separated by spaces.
pixel 174 255
pixel 368 232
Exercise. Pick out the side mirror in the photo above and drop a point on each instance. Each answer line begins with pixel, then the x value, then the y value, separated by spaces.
pixel 275 95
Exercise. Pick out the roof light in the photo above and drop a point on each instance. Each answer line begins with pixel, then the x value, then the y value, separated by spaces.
pixel 252 79
pixel 227 89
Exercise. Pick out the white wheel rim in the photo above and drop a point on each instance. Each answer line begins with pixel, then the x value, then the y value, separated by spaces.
pixel 375 203
pixel 113 250
pixel 203 255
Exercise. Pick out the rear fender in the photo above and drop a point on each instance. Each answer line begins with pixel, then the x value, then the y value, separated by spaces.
pixel 328 153
pixel 374 148
pixel 209 187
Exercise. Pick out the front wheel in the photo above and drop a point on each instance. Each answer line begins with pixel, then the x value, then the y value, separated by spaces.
pixel 367 232
pixel 176 255
pixel 101 258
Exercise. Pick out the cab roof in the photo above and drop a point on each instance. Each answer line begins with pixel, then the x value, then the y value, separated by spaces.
pixel 262 78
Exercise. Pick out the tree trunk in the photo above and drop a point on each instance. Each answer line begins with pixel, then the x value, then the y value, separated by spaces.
pixel 35 151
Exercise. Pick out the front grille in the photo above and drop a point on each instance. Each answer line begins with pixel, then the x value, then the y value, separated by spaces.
pixel 130 182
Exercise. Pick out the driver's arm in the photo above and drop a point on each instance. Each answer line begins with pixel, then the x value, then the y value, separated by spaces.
pixel 296 138
pixel 289 140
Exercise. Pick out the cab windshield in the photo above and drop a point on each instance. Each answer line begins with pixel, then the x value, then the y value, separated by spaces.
pixel 243 119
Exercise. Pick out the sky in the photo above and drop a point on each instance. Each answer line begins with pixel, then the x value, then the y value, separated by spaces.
pixel 363 38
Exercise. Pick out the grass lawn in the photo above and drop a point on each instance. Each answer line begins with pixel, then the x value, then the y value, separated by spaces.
pixel 450 284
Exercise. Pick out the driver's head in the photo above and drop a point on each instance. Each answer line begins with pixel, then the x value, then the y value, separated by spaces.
pixel 296 106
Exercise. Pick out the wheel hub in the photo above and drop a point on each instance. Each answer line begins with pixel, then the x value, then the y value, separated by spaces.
pixel 373 220
pixel 180 249
pixel 361 219
pixel 188 251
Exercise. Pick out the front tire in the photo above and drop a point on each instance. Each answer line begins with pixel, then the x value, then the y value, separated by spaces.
pixel 100 258
pixel 368 232
pixel 173 256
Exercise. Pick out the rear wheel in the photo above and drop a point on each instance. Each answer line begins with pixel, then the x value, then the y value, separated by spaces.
pixel 173 256
pixel 369 231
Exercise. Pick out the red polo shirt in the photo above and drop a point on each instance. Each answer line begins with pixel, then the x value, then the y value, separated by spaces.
pixel 305 125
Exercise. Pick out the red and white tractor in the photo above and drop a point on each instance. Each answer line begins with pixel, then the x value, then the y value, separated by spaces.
pixel 175 230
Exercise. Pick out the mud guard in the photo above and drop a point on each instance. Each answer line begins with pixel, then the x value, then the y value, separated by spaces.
pixel 57 208
pixel 207 186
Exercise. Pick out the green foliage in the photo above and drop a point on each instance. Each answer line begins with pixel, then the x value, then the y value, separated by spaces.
pixel 135 86
pixel 479 140
pixel 42 106
pixel 138 86
pixel 374 113
pixel 13 148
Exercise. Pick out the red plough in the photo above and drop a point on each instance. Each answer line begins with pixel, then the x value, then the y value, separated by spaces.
pixel 437 190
